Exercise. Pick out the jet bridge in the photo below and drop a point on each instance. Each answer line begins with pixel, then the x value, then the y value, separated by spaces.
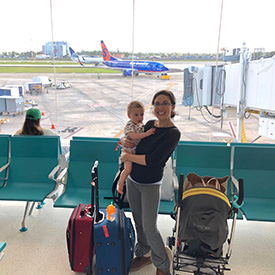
pixel 249 84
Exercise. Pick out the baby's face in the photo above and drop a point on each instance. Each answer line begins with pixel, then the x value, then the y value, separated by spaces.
pixel 136 115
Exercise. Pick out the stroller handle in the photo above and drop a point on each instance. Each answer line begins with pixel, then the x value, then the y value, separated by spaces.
pixel 241 192
pixel 180 188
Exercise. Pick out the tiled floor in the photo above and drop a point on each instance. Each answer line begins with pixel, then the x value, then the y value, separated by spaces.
pixel 42 249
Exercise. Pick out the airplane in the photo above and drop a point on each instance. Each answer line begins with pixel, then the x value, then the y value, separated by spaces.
pixel 83 59
pixel 129 67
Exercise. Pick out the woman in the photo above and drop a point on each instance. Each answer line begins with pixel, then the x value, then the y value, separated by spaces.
pixel 143 184
pixel 32 126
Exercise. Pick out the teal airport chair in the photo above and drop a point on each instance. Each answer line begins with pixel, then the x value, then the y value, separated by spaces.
pixel 84 151
pixel 33 164
pixel 255 163
pixel 210 143
pixel 205 159
pixel 83 154
pixel 115 140
pixel 4 159
pixel 2 246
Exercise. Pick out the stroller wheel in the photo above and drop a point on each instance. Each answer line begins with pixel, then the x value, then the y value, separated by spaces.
pixel 221 271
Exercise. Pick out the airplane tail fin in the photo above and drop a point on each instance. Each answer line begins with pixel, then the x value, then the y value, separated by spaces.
pixel 105 53
pixel 72 51
pixel 75 56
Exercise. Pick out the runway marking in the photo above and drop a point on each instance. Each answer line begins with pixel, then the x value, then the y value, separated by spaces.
pixel 99 105
pixel 74 132
pixel 171 84
pixel 148 107
pixel 119 134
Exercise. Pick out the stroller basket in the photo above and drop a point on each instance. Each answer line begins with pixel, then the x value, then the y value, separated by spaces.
pixel 200 266
pixel 201 228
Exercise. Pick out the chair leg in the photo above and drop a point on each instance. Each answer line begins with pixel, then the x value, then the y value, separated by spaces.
pixel 31 209
pixel 1 256
pixel 40 205
pixel 24 228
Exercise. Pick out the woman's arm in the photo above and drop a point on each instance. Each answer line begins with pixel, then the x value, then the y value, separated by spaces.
pixel 138 136
pixel 128 143
pixel 139 159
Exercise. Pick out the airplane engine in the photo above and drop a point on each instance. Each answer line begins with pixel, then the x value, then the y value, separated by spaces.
pixel 130 72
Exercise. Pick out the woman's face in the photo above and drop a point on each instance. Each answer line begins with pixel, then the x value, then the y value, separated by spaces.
pixel 163 107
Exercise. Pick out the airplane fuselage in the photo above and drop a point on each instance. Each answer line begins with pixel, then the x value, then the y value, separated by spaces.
pixel 140 66
pixel 87 59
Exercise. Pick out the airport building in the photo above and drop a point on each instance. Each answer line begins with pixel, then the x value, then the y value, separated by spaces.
pixel 60 48
pixel 216 204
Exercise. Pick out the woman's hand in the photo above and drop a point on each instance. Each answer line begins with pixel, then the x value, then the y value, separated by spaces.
pixel 124 155
pixel 128 143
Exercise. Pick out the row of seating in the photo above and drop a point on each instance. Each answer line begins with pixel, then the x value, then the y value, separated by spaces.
pixel 254 163
pixel 84 151
pixel 33 158
pixel 29 166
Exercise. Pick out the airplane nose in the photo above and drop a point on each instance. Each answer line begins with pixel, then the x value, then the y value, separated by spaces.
pixel 165 69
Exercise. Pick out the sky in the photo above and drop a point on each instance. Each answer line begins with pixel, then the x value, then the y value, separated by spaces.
pixel 180 26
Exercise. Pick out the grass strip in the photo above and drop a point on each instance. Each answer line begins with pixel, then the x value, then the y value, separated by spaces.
pixel 58 70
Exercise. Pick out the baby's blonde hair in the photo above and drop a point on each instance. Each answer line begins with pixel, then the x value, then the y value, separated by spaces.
pixel 134 104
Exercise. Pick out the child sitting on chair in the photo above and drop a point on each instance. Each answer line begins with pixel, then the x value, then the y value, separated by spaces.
pixel 134 129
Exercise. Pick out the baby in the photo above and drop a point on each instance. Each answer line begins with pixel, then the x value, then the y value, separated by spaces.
pixel 134 129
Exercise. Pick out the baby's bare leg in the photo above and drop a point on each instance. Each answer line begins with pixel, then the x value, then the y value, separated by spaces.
pixel 124 174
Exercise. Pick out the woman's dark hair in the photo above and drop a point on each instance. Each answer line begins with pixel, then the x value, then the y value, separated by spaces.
pixel 32 127
pixel 171 97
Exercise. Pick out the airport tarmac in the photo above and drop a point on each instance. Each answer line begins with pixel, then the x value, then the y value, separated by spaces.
pixel 97 107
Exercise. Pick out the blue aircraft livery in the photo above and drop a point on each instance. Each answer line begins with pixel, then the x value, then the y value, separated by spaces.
pixel 129 67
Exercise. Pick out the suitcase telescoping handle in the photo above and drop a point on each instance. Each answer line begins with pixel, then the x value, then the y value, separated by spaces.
pixel 98 214
pixel 94 183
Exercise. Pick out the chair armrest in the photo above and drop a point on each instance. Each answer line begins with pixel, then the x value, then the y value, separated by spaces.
pixel 54 171
pixel 175 182
pixel 61 176
pixel 64 160
pixel 67 156
pixel 4 167
pixel 235 182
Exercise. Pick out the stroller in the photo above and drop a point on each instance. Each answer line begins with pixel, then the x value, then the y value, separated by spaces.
pixel 201 226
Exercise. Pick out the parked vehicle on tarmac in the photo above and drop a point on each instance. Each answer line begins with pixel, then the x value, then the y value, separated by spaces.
pixel 164 76
pixel 64 85
pixel 45 80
